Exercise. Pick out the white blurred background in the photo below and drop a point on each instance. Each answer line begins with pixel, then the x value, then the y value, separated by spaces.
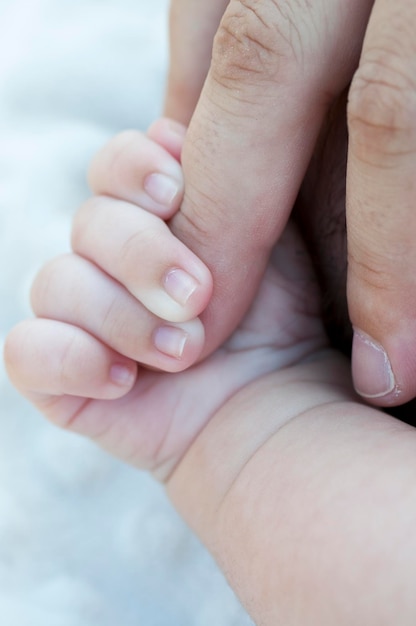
pixel 84 540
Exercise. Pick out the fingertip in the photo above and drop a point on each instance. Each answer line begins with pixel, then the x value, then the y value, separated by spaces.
pixel 384 373
pixel 372 372
pixel 123 375
pixel 134 168
pixel 189 292
pixel 161 304
pixel 168 133
pixel 165 192
pixel 53 358
pixel 103 381
pixel 181 290
pixel 178 346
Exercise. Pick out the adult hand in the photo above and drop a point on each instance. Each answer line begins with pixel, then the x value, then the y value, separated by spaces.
pixel 276 68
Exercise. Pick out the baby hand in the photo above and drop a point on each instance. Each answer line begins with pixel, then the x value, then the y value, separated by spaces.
pixel 129 296
pixel 129 293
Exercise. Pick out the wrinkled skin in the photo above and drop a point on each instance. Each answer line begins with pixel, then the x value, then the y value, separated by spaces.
pixel 276 69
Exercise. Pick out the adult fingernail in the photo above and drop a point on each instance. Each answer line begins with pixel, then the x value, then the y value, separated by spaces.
pixel 180 285
pixel 372 372
pixel 162 188
pixel 170 340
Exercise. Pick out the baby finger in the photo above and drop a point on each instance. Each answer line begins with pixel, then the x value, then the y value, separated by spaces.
pixel 138 250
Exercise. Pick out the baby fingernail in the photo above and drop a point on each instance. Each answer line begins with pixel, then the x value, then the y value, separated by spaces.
pixel 372 371
pixel 122 375
pixel 170 340
pixel 180 285
pixel 163 189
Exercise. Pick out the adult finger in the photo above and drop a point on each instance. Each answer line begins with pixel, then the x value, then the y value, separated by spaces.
pixel 192 27
pixel 381 197
pixel 275 69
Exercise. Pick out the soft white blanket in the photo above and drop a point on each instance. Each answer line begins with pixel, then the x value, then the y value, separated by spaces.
pixel 84 540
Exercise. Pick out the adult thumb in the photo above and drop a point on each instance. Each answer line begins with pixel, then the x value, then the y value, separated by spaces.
pixel 381 197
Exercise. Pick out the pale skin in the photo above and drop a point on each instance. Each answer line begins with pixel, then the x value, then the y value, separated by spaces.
pixel 276 68
pixel 305 496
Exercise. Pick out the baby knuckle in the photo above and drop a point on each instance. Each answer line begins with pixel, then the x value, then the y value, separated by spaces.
pixel 83 218
pixel 254 42
pixel 12 353
pixel 16 348
pixel 45 285
pixel 119 152
pixel 140 245
pixel 112 324
pixel 111 159
pixel 69 363
pixel 382 109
